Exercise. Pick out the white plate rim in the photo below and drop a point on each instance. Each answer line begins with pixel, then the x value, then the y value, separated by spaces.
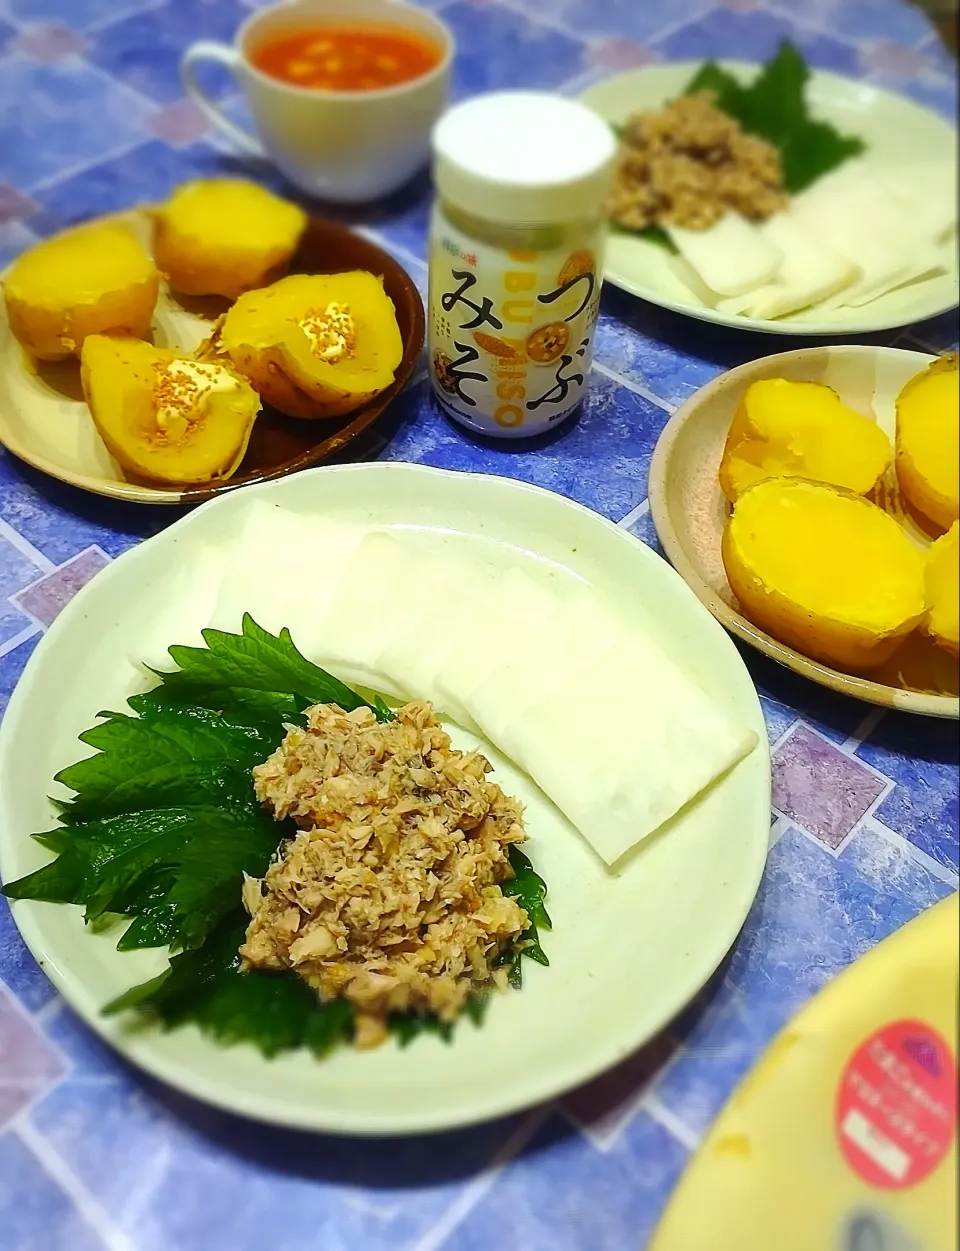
pixel 801 326
pixel 28 914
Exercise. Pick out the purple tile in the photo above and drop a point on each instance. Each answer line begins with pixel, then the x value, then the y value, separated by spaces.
pixel 49 43
pixel 48 597
pixel 13 205
pixel 820 787
pixel 892 58
pixel 30 1064
pixel 620 54
pixel 178 124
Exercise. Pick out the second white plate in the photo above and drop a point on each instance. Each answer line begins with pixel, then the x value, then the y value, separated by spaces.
pixel 626 951
pixel 893 128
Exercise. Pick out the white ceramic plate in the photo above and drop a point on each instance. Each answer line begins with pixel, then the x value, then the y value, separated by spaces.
pixel 626 951
pixel 690 511
pixel 893 127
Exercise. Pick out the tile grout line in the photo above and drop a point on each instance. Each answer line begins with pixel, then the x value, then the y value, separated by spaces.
pixel 25 547
pixel 634 514
pixel 57 1169
pixel 672 1123
pixel 863 731
pixel 24 636
pixel 482 1182
pixel 636 387
pixel 916 854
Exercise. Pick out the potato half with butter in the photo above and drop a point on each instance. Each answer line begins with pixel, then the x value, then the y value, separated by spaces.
pixel 164 416
pixel 315 345
pixel 96 279
pixel 224 236
pixel 824 570
pixel 942 622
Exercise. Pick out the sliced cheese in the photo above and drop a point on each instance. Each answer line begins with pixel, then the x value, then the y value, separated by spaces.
pixel 810 272
pixel 731 257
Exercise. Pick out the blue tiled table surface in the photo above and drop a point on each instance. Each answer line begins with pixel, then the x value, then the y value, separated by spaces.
pixel 864 827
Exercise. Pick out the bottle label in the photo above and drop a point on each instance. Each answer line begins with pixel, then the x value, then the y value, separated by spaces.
pixel 511 332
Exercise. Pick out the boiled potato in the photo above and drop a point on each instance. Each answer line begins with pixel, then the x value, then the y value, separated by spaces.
pixel 801 429
pixel 96 279
pixel 163 415
pixel 942 621
pixel 224 236
pixel 824 570
pixel 315 345
pixel 928 442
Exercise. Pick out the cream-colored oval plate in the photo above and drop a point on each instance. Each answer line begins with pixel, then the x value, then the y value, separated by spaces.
pixel 689 509
pixel 892 126
pixel 626 952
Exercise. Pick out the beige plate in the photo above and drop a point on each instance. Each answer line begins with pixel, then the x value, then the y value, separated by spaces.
pixel 892 127
pixel 45 421
pixel 689 510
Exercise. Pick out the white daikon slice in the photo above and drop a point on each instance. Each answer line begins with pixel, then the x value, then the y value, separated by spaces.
pixel 182 606
pixel 852 216
pixel 369 600
pixel 731 257
pixel 810 273
pixel 517 606
pixel 693 282
pixel 284 568
pixel 448 603
pixel 625 742
pixel 925 189
pixel 563 642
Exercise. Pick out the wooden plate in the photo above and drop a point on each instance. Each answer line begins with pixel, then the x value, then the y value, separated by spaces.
pixel 44 420
pixel 689 511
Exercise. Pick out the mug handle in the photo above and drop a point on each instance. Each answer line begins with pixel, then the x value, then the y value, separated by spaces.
pixel 207 50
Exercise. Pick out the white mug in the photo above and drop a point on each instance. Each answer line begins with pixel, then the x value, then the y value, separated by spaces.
pixel 343 146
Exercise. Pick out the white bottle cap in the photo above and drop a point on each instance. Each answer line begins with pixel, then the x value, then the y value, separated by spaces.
pixel 524 157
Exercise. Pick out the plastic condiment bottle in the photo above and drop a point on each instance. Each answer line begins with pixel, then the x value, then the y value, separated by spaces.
pixel 516 243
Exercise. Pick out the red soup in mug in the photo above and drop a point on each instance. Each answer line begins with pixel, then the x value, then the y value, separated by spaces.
pixel 347 58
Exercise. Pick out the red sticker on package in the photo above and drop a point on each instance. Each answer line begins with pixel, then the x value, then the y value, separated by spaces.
pixel 896 1110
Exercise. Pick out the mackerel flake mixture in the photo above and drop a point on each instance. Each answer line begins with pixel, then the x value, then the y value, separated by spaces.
pixel 389 896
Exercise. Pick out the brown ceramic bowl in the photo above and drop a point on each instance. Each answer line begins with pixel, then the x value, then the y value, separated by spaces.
pixel 689 511
pixel 45 422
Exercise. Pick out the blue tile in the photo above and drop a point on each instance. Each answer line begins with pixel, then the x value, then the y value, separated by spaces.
pixel 921 756
pixel 18 969
pixel 754 36
pixel 861 20
pixel 147 173
pixel 933 91
pixel 14 239
pixel 16 569
pixel 939 333
pixel 835 716
pixel 12 621
pixel 35 1214
pixel 12 665
pixel 644 529
pixel 61 521
pixel 210 1179
pixel 563 1192
pixel 7 33
pixel 59 116
pixel 625 19
pixel 603 461
pixel 938 56
pixel 498 48
pixel 73 14
pixel 777 717
pixel 144 51
pixel 814 915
